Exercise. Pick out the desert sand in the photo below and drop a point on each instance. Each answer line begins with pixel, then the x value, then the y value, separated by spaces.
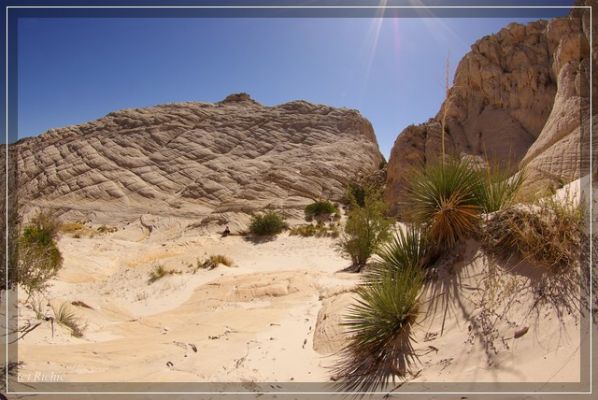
pixel 274 316
pixel 252 321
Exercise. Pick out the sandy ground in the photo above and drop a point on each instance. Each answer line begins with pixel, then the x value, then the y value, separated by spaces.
pixel 275 315
pixel 253 321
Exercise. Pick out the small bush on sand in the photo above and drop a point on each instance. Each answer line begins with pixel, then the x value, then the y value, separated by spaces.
pixel 159 272
pixel 443 196
pixel 39 257
pixel 548 233
pixel 380 325
pixel 320 209
pixel 66 317
pixel 270 223
pixel 366 228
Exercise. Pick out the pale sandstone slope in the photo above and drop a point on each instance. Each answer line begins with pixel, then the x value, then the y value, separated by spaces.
pixel 195 159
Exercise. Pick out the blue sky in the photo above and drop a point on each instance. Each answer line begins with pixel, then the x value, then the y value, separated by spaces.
pixel 392 70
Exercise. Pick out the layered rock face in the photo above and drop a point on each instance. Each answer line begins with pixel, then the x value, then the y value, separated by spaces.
pixel 198 159
pixel 519 97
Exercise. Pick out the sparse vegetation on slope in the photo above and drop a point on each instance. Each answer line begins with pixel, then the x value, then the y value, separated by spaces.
pixel 159 272
pixel 317 230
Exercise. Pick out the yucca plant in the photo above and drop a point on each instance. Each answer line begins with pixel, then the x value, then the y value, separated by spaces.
pixel 409 248
pixel 380 324
pixel 444 196
pixel 498 187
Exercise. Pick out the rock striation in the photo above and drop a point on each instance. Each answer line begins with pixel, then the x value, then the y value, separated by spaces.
pixel 519 97
pixel 198 159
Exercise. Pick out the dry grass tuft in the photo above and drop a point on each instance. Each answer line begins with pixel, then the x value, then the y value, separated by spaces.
pixel 220 259
pixel 160 272
pixel 548 233
pixel 213 262
pixel 106 229
pixel 79 303
pixel 72 227
pixel 318 230
pixel 77 230
pixel 66 317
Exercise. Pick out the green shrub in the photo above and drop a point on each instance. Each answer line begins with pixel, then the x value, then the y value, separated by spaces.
pixel 39 258
pixel 356 194
pixel 320 208
pixel 444 196
pixel 366 228
pixel 270 223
